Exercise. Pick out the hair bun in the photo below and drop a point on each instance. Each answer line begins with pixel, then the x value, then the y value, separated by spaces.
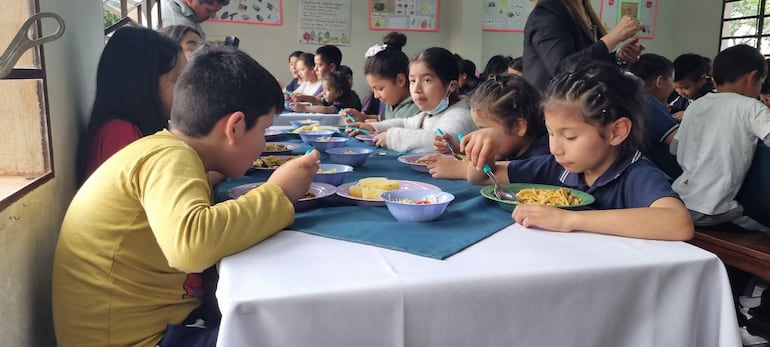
pixel 394 40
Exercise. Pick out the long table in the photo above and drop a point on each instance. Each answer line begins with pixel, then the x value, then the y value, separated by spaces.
pixel 517 287
pixel 323 118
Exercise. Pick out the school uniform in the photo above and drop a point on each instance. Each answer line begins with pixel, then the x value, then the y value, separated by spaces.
pixel 679 103
pixel 347 100
pixel 659 124
pixel 631 181
pixel 539 147
pixel 293 85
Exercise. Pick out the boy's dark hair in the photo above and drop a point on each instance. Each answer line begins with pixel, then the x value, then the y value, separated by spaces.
pixel 330 54
pixel 517 64
pixel 175 32
pixel 307 59
pixel 295 54
pixel 649 66
pixel 222 2
pixel 509 97
pixel 391 61
pixel 338 81
pixel 690 66
pixel 220 80
pixel 468 68
pixel 127 83
pixel 496 65
pixel 734 62
pixel 604 93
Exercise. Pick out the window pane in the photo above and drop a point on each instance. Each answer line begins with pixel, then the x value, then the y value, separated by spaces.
pixel 726 43
pixel 740 27
pixel 742 8
pixel 24 149
pixel 764 46
pixel 13 14
pixel 766 25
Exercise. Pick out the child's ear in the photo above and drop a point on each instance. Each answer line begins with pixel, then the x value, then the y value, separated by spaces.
pixel 521 127
pixel 619 130
pixel 234 126
pixel 401 80
pixel 659 82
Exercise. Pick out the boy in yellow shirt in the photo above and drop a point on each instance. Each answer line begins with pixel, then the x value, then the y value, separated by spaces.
pixel 144 220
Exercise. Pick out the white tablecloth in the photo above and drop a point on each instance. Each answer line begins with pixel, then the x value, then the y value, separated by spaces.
pixel 518 287
pixel 325 119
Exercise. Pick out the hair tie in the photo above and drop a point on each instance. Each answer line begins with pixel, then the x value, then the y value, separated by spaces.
pixel 373 50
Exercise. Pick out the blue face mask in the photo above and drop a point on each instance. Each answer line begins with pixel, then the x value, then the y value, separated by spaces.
pixel 443 104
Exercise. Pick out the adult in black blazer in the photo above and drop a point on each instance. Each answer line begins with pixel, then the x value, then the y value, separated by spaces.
pixel 558 31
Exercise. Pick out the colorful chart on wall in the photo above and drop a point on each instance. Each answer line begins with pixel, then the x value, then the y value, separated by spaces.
pixel 506 15
pixel 645 11
pixel 404 15
pixel 263 12
pixel 325 22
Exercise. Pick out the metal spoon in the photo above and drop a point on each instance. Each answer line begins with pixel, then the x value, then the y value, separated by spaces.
pixel 457 156
pixel 500 192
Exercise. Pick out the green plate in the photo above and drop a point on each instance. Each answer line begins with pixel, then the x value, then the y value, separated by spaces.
pixel 585 198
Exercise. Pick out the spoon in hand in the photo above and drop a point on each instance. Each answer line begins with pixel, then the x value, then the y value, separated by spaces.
pixel 500 192
pixel 448 145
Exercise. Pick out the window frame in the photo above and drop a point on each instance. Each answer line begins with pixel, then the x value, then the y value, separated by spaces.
pixel 760 18
pixel 39 74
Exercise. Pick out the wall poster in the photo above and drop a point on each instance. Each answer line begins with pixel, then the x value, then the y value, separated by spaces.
pixel 404 15
pixel 263 12
pixel 506 15
pixel 325 22
pixel 645 11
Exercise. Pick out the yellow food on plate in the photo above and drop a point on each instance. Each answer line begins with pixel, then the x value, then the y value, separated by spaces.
pixel 272 161
pixel 549 197
pixel 372 187
pixel 275 147
pixel 314 127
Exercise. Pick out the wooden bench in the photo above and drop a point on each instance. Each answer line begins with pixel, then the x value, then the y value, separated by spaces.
pixel 749 252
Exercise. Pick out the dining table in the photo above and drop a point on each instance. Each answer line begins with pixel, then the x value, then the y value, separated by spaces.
pixel 350 275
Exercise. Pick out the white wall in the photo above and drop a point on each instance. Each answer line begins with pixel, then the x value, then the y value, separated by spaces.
pixel 29 227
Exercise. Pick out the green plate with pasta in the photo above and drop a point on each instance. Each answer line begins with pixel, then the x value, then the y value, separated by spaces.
pixel 542 194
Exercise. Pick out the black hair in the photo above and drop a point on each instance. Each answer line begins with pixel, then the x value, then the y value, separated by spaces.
pixel 734 62
pixel 649 66
pixel 127 78
pixel 391 61
pixel 509 97
pixel 307 59
pixel 345 71
pixel 295 54
pixel 604 94
pixel 444 65
pixel 176 32
pixel 338 81
pixel 222 2
pixel 496 65
pixel 468 68
pixel 690 66
pixel 220 80
pixel 330 54
pixel 517 64
pixel 766 84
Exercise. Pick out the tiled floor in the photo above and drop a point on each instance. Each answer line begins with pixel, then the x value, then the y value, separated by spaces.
pixel 748 302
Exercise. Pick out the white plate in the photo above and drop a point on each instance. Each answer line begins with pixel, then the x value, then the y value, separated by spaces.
pixel 320 190
pixel 344 191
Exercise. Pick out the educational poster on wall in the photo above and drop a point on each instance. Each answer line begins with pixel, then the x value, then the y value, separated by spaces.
pixel 646 11
pixel 324 22
pixel 262 12
pixel 506 15
pixel 404 15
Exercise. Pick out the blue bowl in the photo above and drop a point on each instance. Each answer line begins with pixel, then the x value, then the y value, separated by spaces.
pixel 308 136
pixel 303 122
pixel 353 156
pixel 333 174
pixel 324 143
pixel 405 204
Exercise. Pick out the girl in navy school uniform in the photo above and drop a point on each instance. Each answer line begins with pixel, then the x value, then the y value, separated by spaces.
pixel 506 109
pixel 593 114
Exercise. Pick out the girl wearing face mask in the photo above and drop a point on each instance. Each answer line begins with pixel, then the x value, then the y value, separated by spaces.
pixel 433 77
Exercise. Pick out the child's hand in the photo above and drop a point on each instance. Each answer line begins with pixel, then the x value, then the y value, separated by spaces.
pixel 355 114
pixel 295 175
pixel 380 140
pixel 298 107
pixel 439 143
pixel 446 167
pixel 678 116
pixel 357 126
pixel 481 146
pixel 545 217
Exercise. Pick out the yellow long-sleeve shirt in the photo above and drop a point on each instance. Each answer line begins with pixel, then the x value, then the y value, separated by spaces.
pixel 136 228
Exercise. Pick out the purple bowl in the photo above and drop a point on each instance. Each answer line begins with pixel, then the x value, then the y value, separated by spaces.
pixel 366 138
pixel 308 136
pixel 412 212
pixel 304 122
pixel 353 156
pixel 324 143
pixel 318 189
pixel 333 174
